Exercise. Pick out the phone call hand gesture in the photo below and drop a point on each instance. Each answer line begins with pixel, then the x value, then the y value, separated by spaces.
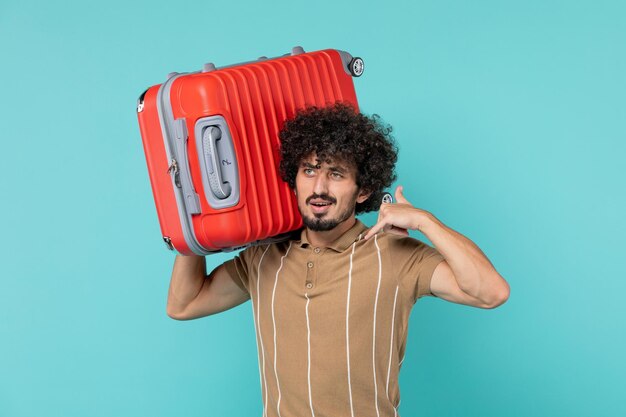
pixel 398 217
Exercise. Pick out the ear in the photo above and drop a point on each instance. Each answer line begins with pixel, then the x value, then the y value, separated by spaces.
pixel 363 195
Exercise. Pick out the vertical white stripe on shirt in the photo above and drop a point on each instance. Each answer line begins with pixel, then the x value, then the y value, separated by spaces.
pixel 308 330
pixel 274 322
pixel 393 316
pixel 347 331
pixel 380 271
pixel 258 329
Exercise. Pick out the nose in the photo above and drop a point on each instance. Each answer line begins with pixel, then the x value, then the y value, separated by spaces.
pixel 320 187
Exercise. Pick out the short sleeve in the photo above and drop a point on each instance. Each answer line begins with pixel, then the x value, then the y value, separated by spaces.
pixel 414 263
pixel 239 268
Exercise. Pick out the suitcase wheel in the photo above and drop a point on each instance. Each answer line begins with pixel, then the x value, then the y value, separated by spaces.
pixel 387 198
pixel 356 67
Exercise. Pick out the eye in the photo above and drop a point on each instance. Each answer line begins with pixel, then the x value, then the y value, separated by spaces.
pixel 308 171
pixel 336 175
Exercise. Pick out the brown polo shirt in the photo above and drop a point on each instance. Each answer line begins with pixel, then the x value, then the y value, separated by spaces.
pixel 331 323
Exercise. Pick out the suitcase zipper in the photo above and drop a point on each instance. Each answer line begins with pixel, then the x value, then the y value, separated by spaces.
pixel 174 168
pixel 168 242
pixel 186 199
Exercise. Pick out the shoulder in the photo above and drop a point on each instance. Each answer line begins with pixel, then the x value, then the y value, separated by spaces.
pixel 268 251
pixel 277 244
pixel 402 249
pixel 398 248
pixel 400 243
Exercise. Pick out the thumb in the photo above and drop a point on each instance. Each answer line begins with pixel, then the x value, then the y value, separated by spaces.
pixel 400 197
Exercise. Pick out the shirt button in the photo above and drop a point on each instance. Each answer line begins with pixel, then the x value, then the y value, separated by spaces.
pixel 310 264
pixel 317 250
pixel 309 285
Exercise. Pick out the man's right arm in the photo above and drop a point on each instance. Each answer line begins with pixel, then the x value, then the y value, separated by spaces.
pixel 194 294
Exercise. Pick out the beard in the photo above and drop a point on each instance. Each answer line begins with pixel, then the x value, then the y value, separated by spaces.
pixel 318 224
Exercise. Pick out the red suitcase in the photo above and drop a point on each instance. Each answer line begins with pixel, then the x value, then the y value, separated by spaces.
pixel 211 144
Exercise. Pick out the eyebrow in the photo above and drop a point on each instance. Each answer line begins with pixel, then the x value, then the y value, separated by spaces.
pixel 339 168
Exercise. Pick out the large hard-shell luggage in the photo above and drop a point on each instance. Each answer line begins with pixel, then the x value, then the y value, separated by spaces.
pixel 211 144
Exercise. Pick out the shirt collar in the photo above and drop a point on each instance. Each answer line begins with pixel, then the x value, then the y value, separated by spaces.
pixel 343 242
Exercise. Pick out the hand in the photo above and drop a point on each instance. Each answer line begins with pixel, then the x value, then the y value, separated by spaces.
pixel 398 218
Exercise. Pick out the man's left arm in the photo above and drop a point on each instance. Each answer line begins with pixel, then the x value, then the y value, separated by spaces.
pixel 466 276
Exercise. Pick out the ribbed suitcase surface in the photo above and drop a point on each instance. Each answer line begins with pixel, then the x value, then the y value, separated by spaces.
pixel 244 106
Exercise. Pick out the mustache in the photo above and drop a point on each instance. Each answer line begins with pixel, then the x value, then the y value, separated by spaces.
pixel 324 197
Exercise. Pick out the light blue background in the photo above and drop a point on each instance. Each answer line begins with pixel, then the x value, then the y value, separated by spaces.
pixel 510 118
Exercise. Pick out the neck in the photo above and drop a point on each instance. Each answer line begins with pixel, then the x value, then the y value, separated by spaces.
pixel 323 239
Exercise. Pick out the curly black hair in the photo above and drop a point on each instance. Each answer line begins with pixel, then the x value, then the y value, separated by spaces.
pixel 340 133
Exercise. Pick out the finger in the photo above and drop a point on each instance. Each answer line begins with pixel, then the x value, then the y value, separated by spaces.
pixel 375 229
pixel 371 232
pixel 399 231
pixel 400 197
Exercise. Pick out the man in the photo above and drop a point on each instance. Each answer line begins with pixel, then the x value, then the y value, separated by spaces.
pixel 331 306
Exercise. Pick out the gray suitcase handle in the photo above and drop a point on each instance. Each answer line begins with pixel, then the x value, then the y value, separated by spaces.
pixel 209 66
pixel 218 163
pixel 220 187
pixel 351 65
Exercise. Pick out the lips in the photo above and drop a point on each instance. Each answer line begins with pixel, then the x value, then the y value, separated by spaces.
pixel 320 203
pixel 320 206
pixel 320 199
